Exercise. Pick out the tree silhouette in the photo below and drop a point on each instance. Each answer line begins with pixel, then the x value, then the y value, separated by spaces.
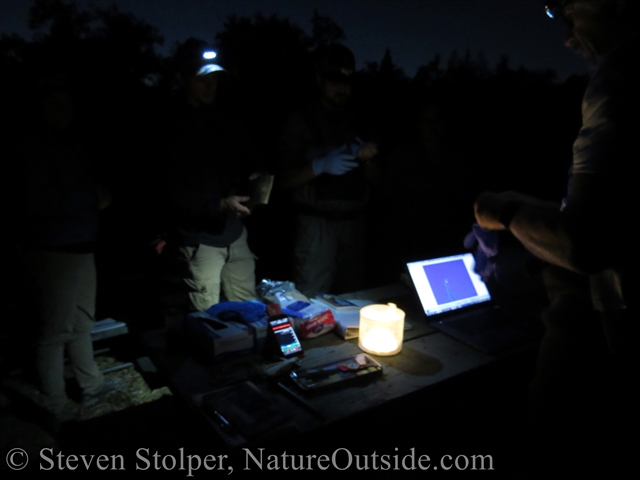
pixel 269 59
pixel 59 21
pixel 101 44
pixel 265 44
pixel 504 120
pixel 325 31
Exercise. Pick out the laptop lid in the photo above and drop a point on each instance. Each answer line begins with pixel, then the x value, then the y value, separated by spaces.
pixel 446 284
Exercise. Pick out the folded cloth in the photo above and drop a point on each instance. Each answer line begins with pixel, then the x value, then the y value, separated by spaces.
pixel 484 244
pixel 242 312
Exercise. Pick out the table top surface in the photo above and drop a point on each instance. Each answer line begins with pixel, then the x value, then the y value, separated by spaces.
pixel 428 357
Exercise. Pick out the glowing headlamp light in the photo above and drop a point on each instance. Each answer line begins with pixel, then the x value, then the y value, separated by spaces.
pixel 209 66
pixel 209 54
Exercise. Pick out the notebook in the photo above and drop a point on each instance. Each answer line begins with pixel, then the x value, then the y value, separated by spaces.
pixel 456 301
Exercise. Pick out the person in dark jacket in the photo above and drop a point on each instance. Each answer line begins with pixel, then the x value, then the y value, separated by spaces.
pixel 206 160
pixel 328 166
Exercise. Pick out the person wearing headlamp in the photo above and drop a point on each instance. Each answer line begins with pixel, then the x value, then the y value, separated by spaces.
pixel 587 241
pixel 207 157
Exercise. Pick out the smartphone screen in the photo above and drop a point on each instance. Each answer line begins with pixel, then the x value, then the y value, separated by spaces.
pixel 285 336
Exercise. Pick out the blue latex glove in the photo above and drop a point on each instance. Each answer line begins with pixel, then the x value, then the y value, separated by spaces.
pixel 354 147
pixel 484 243
pixel 337 162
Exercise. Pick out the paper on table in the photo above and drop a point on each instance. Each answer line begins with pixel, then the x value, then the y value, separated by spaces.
pixel 347 319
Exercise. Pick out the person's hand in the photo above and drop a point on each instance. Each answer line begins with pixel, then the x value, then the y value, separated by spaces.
pixel 487 209
pixel 337 162
pixel 158 244
pixel 365 151
pixel 256 176
pixel 233 206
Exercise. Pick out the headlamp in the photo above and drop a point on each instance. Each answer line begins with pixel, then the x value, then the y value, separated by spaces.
pixel 558 9
pixel 209 54
pixel 553 8
pixel 207 64
pixel 549 12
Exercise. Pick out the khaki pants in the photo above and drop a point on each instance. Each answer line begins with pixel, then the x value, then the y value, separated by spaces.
pixel 62 292
pixel 231 268
pixel 329 255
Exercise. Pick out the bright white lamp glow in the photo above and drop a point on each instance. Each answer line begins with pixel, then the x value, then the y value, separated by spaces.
pixel 381 329
pixel 209 55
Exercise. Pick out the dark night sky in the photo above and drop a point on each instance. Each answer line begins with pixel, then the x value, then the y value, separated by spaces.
pixel 414 30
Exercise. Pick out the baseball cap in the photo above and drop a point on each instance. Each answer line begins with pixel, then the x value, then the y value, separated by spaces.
pixel 335 63
pixel 196 57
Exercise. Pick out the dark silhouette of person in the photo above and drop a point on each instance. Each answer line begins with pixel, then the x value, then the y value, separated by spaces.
pixel 328 167
pixel 583 390
pixel 204 160
pixel 55 217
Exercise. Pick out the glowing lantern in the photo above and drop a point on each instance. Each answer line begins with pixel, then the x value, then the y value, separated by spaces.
pixel 381 329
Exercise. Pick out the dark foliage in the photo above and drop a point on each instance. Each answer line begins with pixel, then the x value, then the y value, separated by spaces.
pixel 458 127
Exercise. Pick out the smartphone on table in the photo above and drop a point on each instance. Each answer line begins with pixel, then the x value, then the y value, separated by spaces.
pixel 284 336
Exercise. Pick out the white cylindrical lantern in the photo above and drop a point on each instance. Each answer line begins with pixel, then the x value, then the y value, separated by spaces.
pixel 381 329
